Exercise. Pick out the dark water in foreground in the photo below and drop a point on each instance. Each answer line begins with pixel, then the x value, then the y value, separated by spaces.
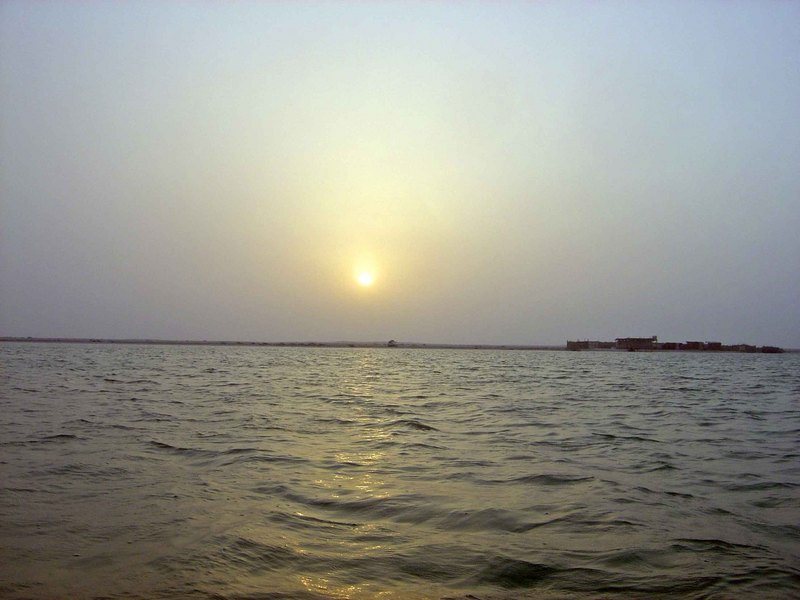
pixel 219 472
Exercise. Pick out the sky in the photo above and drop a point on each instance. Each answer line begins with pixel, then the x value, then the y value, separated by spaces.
pixel 504 172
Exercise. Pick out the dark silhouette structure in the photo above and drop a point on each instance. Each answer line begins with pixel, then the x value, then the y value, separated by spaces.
pixel 634 344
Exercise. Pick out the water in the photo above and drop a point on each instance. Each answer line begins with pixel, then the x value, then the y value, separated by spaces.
pixel 246 472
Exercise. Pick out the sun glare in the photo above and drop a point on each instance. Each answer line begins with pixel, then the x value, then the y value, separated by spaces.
pixel 365 278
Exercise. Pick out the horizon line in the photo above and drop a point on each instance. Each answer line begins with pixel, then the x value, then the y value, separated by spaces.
pixel 316 344
pixel 332 344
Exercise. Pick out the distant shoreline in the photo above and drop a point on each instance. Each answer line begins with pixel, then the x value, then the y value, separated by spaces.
pixel 341 344
pixel 157 342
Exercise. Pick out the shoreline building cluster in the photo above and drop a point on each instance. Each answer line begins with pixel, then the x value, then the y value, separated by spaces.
pixel 635 344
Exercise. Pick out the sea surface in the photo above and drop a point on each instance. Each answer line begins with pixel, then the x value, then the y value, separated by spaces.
pixel 209 472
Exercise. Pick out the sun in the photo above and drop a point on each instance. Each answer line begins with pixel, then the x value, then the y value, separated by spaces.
pixel 365 279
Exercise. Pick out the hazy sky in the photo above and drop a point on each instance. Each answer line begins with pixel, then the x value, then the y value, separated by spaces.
pixel 509 172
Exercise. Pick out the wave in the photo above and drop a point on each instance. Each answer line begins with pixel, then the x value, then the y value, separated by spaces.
pixel 548 479
pixel 514 573
pixel 226 456
pixel 48 439
pixel 636 438
pixel 131 381
pixel 760 486
pixel 411 424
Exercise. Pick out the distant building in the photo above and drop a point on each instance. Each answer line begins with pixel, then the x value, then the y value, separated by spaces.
pixel 582 345
pixel 589 345
pixel 743 348
pixel 633 343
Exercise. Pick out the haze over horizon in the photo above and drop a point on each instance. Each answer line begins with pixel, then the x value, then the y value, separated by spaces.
pixel 488 173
